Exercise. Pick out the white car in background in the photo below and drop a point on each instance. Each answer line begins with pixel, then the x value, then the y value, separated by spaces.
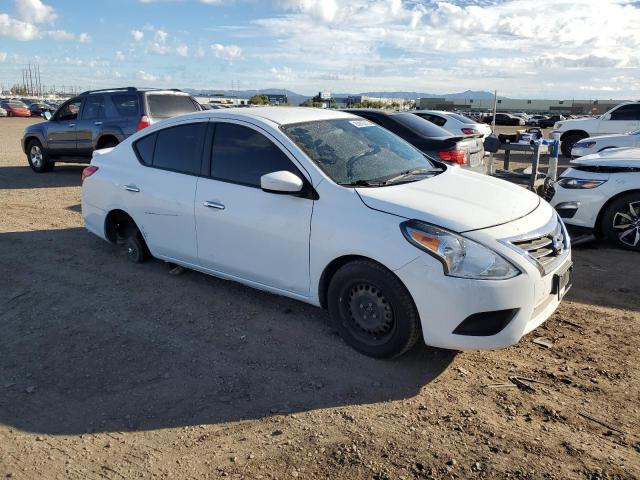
pixel 622 118
pixel 454 123
pixel 336 211
pixel 600 193
pixel 605 142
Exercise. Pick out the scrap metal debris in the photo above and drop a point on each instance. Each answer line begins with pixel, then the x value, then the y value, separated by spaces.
pixel 543 342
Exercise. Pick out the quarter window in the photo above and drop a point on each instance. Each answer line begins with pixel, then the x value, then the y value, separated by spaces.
pixel 126 105
pixel 178 149
pixel 242 155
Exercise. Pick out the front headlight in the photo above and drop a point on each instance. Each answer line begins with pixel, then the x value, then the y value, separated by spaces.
pixel 460 257
pixel 557 125
pixel 575 183
pixel 584 145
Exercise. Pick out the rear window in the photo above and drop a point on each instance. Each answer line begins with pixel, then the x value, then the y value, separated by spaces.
pixel 126 105
pixel 461 118
pixel 420 126
pixel 169 105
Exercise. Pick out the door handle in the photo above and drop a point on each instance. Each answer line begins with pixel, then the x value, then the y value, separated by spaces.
pixel 97 123
pixel 131 188
pixel 212 204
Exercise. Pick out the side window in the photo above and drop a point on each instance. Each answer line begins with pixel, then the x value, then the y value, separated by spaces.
pixel 627 112
pixel 126 105
pixel 144 149
pixel 93 107
pixel 435 119
pixel 179 148
pixel 242 155
pixel 69 111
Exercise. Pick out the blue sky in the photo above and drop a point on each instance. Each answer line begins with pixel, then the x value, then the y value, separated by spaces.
pixel 523 48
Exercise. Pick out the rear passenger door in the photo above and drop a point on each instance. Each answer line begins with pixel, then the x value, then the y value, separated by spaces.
pixel 89 124
pixel 161 192
pixel 242 230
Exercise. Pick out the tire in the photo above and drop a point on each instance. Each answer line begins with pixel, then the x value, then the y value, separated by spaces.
pixel 109 144
pixel 38 158
pixel 372 310
pixel 620 222
pixel 137 251
pixel 569 141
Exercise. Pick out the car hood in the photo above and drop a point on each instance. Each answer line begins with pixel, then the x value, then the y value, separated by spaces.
pixel 612 136
pixel 455 199
pixel 583 123
pixel 614 157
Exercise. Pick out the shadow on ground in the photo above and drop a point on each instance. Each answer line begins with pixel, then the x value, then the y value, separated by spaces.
pixel 24 177
pixel 91 342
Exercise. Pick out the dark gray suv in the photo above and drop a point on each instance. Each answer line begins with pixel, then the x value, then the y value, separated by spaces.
pixel 99 119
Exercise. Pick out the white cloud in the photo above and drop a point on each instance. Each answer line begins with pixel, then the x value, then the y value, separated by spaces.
pixel 182 50
pixel 17 29
pixel 212 2
pixel 120 56
pixel 84 38
pixel 60 35
pixel 137 35
pixel 160 36
pixel 147 77
pixel 227 52
pixel 3 56
pixel 34 11
pixel 282 74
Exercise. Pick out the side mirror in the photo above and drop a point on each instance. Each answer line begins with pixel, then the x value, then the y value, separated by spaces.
pixel 281 182
pixel 46 115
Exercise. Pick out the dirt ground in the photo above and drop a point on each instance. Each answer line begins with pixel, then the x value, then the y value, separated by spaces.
pixel 114 370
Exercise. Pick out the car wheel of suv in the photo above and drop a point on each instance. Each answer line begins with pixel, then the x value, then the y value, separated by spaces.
pixel 621 221
pixel 372 310
pixel 136 247
pixel 38 158
pixel 569 141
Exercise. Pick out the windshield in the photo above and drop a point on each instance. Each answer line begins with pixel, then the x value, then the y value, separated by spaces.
pixel 356 150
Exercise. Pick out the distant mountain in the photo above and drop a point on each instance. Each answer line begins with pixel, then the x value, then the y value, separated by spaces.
pixel 297 99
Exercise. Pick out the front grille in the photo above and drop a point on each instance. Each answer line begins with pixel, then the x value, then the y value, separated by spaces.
pixel 545 249
pixel 549 193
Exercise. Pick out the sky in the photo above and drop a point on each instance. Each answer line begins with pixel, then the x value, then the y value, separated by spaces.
pixel 582 49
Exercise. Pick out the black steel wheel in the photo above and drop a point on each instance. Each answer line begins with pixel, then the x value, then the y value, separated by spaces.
pixel 372 310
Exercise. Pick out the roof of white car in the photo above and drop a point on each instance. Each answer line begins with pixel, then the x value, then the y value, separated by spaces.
pixel 279 115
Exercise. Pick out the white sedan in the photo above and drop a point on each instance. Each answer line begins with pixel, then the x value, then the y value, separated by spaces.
pixel 600 193
pixel 454 123
pixel 597 144
pixel 334 210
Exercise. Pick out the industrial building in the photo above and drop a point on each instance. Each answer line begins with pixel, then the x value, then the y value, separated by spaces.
pixel 574 107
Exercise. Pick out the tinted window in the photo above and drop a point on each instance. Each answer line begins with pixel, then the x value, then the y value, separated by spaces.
pixel 180 148
pixel 419 125
pixel 242 155
pixel 144 148
pixel 69 111
pixel 461 118
pixel 93 107
pixel 126 105
pixel 627 112
pixel 169 105
pixel 351 150
pixel 436 120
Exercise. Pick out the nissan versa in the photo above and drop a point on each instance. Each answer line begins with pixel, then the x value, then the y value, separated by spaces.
pixel 334 210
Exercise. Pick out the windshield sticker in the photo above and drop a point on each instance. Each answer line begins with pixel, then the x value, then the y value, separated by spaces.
pixel 361 123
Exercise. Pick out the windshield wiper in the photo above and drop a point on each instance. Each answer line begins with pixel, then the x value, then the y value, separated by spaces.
pixel 410 173
pixel 363 183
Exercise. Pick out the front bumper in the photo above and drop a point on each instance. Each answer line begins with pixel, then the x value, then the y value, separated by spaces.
pixel 586 205
pixel 444 303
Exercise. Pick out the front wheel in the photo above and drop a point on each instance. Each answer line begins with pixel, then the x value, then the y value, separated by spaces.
pixel 372 310
pixel 38 158
pixel 137 251
pixel 621 221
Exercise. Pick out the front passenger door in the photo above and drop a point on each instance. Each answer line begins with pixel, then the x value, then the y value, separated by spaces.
pixel 242 230
pixel 622 120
